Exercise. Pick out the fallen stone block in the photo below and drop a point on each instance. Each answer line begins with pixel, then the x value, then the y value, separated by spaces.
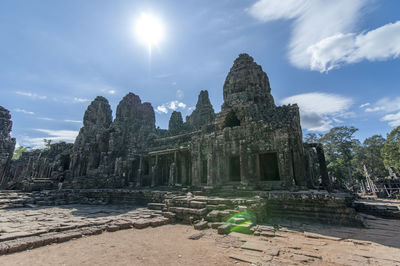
pixel 141 223
pixel 196 236
pixel 225 229
pixel 201 225
pixel 215 225
pixel 112 228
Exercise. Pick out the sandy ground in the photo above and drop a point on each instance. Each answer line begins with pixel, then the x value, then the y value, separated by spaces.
pixel 165 245
pixel 170 245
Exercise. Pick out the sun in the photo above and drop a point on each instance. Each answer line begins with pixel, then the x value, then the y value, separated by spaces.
pixel 149 30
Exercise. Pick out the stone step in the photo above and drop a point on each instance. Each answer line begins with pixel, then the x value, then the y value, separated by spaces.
pixel 156 206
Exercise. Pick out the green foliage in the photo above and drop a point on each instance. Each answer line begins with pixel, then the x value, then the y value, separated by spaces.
pixel 18 152
pixel 339 145
pixel 370 155
pixel 391 149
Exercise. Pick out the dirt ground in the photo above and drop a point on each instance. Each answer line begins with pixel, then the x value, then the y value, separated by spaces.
pixel 164 245
pixel 170 245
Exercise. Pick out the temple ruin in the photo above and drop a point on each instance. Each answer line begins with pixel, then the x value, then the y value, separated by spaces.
pixel 251 144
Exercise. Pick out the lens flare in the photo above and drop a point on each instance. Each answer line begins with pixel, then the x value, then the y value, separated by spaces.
pixel 149 30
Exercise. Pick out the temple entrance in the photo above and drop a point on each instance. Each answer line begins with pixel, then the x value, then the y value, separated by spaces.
pixel 234 168
pixel 231 120
pixel 269 168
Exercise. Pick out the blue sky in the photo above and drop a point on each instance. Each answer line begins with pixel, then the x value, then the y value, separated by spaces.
pixel 339 60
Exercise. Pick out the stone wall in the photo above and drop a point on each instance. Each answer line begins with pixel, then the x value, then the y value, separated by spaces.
pixel 7 145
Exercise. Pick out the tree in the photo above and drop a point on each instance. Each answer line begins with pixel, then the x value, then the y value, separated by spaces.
pixel 47 144
pixel 369 154
pixel 391 149
pixel 312 138
pixel 339 145
pixel 18 152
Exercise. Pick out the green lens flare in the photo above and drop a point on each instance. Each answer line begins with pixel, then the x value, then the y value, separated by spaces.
pixel 242 222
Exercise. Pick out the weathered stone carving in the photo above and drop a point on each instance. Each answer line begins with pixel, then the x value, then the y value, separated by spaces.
pixel 91 144
pixel 203 114
pixel 175 125
pixel 7 145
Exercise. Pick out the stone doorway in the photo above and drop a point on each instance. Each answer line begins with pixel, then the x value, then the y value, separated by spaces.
pixel 234 168
pixel 269 168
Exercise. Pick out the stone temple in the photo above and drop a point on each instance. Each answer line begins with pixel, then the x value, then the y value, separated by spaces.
pixel 238 169
pixel 251 144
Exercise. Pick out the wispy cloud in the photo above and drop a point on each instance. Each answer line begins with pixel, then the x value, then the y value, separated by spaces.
pixel 45 118
pixel 53 135
pixel 81 100
pixel 73 121
pixel 324 33
pixel 31 95
pixel 320 110
pixel 172 105
pixel 365 105
pixel 23 111
pixel 389 108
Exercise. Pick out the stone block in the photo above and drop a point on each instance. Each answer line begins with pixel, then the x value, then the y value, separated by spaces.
pixel 201 225
pixel 141 223
pixel 225 229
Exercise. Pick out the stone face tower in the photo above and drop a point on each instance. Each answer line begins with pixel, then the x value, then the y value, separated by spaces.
pixel 247 91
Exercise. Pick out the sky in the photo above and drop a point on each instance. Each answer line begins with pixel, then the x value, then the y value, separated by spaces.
pixel 338 60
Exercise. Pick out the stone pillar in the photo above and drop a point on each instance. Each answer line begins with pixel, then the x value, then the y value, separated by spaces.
pixel 139 172
pixel 172 172
pixel 209 170
pixel 326 182
pixel 183 169
pixel 243 163
pixel 154 172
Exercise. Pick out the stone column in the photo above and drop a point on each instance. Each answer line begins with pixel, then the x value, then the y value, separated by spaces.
pixel 154 171
pixel 243 163
pixel 209 170
pixel 139 172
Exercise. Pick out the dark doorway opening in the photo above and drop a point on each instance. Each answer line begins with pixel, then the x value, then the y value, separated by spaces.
pixel 146 167
pixel 204 172
pixel 231 120
pixel 269 169
pixel 234 168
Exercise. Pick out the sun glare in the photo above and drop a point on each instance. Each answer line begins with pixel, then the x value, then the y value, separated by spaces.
pixel 149 30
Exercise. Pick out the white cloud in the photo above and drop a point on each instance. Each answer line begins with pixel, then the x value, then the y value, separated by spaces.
pixel 385 105
pixel 23 111
pixel 46 118
pixel 374 109
pixel 162 109
pixel 324 32
pixel 80 100
pixel 390 107
pixel 53 135
pixel 365 105
pixel 392 119
pixel 31 95
pixel 319 110
pixel 172 105
pixel 73 121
